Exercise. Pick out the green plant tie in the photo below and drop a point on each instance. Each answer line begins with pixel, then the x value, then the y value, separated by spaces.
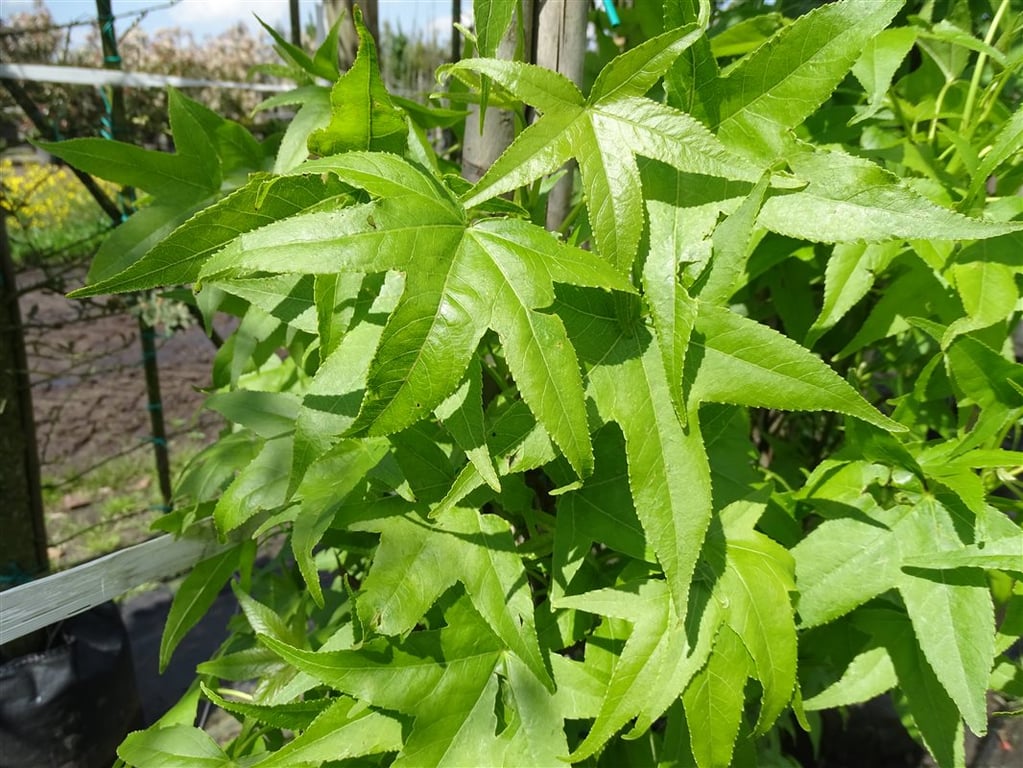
pixel 106 121
pixel 612 13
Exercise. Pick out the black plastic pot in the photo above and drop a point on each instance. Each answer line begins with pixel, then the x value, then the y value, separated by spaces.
pixel 72 704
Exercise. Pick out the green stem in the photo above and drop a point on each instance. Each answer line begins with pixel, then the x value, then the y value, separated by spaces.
pixel 932 132
pixel 971 96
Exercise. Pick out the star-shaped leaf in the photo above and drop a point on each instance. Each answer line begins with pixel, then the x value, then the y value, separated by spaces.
pixel 757 581
pixel 362 114
pixel 845 562
pixel 461 278
pixel 660 657
pixel 604 133
pixel 411 569
pixel 449 681
pixel 669 475
pixel 787 78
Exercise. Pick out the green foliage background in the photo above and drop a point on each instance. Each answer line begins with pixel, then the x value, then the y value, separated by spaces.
pixel 749 454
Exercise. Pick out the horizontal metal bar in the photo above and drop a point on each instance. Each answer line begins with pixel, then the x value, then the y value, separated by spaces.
pixel 45 601
pixel 46 73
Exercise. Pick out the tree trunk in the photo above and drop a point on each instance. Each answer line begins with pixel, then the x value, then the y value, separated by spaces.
pixel 481 149
pixel 561 46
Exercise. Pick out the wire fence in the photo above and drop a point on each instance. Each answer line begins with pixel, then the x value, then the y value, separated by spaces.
pixel 87 368
pixel 91 405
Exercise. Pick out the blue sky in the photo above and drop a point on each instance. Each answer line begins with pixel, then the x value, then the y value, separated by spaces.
pixel 210 17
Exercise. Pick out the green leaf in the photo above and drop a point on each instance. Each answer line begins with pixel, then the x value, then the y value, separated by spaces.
pixel 878 63
pixel 462 415
pixel 668 470
pixel 716 695
pixel 177 259
pixel 331 402
pixel 344 730
pixel 404 580
pixel 177 746
pixel 946 31
pixel 914 291
pixel 991 382
pixel 214 467
pixel 660 657
pixel 733 242
pixel 672 308
pixel 313 115
pixel 1004 554
pixel 984 375
pixel 263 619
pixel 845 562
pixel 260 486
pixel 321 493
pixel 868 675
pixel 604 133
pixel 850 274
pixel 785 80
pixel 733 359
pixel 954 622
pixel 289 298
pixel 756 584
pixel 733 458
pixel 191 174
pixel 933 711
pixel 747 35
pixel 491 19
pixel 446 680
pixel 195 596
pixel 849 198
pixel 989 295
pixel 1006 143
pixel 462 279
pixel 132 239
pixel 638 69
pixel 386 175
pixel 408 574
pixel 321 66
pixel 337 299
pixel 690 82
pixel 221 144
pixel 325 60
pixel 601 511
pixel 295 716
pixel 362 114
pixel 267 414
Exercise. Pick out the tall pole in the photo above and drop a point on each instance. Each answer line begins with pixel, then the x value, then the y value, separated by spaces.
pixel 481 148
pixel 296 23
pixel 115 127
pixel 561 46
pixel 456 38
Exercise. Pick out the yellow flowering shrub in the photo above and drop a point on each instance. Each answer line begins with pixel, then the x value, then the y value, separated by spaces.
pixel 50 211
